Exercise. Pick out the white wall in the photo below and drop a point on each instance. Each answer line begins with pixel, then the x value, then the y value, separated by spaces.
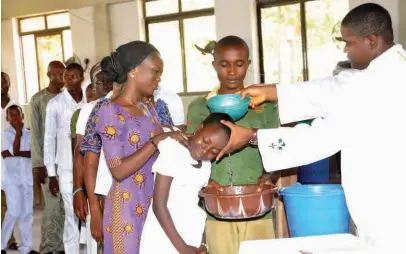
pixel 8 56
pixel 126 29
pixel 83 42
pixel 241 21
pixel 11 59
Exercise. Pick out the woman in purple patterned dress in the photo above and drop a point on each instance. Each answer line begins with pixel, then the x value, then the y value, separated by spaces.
pixel 129 132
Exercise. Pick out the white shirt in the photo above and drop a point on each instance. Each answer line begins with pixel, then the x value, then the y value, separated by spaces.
pixel 4 125
pixel 175 161
pixel 175 104
pixel 365 118
pixel 57 140
pixel 17 170
pixel 104 179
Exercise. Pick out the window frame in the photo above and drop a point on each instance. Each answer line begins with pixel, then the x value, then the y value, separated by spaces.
pixel 264 4
pixel 40 33
pixel 179 16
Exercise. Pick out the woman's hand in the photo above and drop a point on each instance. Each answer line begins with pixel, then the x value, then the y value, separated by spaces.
pixel 181 137
pixel 96 224
pixel 189 250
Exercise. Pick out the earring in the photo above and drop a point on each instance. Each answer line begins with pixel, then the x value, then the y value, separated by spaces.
pixel 132 75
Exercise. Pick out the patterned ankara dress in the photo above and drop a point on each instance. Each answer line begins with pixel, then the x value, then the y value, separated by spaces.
pixel 127 203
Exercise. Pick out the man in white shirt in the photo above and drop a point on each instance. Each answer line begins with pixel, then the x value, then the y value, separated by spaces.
pixel 347 115
pixel 58 149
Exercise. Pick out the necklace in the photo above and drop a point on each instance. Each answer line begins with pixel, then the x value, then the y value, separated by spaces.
pixel 141 106
pixel 129 101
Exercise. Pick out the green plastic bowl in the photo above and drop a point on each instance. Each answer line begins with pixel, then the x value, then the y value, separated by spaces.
pixel 230 104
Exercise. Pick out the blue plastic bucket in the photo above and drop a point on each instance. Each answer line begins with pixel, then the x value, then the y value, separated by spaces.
pixel 316 209
pixel 317 172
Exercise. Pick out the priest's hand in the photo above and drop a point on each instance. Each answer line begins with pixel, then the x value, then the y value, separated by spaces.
pixel 259 94
pixel 240 137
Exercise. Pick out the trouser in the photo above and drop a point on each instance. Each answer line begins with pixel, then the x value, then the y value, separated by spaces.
pixel 53 219
pixel 71 225
pixel 223 237
pixel 20 199
pixel 3 213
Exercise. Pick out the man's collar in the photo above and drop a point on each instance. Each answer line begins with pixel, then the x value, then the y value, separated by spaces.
pixel 395 53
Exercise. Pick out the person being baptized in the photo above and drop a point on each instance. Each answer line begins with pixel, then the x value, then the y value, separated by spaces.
pixel 176 223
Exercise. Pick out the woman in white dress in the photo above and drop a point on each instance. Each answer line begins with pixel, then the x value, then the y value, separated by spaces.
pixel 176 223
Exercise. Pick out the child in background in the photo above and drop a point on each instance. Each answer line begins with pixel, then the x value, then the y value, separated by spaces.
pixel 17 182
pixel 176 222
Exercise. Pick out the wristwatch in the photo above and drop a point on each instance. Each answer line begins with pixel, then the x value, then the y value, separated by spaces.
pixel 254 139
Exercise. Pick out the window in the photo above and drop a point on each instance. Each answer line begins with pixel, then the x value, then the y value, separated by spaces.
pixel 175 28
pixel 44 39
pixel 296 41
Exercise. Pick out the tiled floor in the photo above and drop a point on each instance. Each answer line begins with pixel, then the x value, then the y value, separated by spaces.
pixel 36 233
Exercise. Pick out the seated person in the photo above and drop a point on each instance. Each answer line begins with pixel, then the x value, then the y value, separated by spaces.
pixel 177 223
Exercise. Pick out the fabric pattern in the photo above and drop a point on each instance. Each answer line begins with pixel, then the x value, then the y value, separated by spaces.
pixel 38 106
pixel 126 205
pixel 53 219
pixel 163 112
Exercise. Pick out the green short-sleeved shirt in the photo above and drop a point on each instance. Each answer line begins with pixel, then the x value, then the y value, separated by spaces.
pixel 246 164
pixel 73 123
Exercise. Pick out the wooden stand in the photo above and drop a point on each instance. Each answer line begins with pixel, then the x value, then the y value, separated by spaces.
pixel 287 178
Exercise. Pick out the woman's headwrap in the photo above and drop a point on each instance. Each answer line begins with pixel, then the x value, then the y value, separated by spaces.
pixel 124 59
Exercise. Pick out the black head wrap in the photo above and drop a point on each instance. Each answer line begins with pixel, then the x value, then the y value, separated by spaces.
pixel 126 57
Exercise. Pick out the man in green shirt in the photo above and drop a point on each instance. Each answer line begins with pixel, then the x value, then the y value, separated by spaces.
pixel 54 213
pixel 231 61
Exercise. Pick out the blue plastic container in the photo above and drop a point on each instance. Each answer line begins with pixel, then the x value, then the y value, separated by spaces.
pixel 316 209
pixel 230 104
pixel 317 172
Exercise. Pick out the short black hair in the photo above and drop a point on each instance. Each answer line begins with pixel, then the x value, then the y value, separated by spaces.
pixel 370 19
pixel 14 106
pixel 216 118
pixel 230 41
pixel 76 66
pixel 6 76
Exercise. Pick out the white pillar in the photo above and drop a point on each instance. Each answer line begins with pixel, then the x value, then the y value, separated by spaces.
pixel 129 29
pixel 11 59
pixel 240 19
